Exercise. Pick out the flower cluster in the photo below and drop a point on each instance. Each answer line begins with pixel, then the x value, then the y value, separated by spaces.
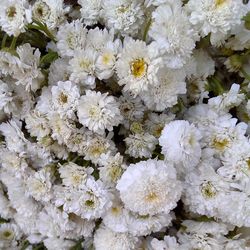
pixel 124 124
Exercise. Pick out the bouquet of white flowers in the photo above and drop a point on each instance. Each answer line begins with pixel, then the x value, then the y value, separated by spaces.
pixel 124 125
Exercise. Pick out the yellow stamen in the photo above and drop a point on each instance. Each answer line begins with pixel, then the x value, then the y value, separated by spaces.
pixel 138 67
pixel 151 197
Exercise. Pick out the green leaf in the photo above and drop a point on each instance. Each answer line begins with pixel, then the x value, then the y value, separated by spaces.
pixel 39 247
pixel 246 18
pixel 37 25
pixel 204 218
pixel 215 85
pixel 78 245
pixel 2 220
pixel 25 244
pixel 47 59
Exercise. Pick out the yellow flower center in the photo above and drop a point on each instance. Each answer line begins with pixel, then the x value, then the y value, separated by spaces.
pixel 41 10
pixel 208 190
pixel 122 9
pixel 76 179
pixel 63 98
pixel 138 67
pixel 158 130
pixel 136 128
pixel 90 203
pixel 115 210
pixel 39 186
pixel 97 149
pixel 218 3
pixel 107 58
pixel 71 40
pixel 7 235
pixel 151 197
pixel 220 144
pixel 248 163
pixel 11 12
pixel 84 64
pixel 115 173
pixel 95 112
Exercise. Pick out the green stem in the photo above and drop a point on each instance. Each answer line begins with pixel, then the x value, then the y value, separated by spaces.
pixel 4 41
pixel 13 43
pixel 146 29
pixel 245 74
pixel 48 33
pixel 41 27
pixel 215 85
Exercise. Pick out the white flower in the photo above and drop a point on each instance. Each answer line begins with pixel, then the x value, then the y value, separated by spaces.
pixel 155 187
pixel 98 111
pixel 13 163
pixel 173 34
pixel 203 235
pixel 65 97
pixel 73 175
pixel 6 210
pixel 39 185
pixel 236 162
pixel 141 225
pixel 116 217
pixel 103 42
pixel 171 83
pixel 216 16
pixel 137 66
pixel 10 233
pixel 106 239
pixel 97 39
pixel 124 16
pixel 22 102
pixel 226 101
pixel 28 73
pixel 204 65
pixel 52 222
pixel 90 11
pixel 77 141
pixel 168 243
pixel 121 220
pixel 82 67
pixel 14 137
pixel 132 108
pixel 62 128
pixel 241 38
pixel 112 169
pixel 37 124
pixel 180 144
pixel 97 145
pixel 205 191
pixel 38 155
pixel 71 36
pixel 58 243
pixel 25 206
pixel 223 134
pixel 14 15
pixel 89 202
pixel 8 63
pixel 44 101
pixel 50 12
pixel 202 116
pixel 28 226
pixel 155 123
pixel 140 145
pixel 58 71
pixel 5 95
pixel 198 69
